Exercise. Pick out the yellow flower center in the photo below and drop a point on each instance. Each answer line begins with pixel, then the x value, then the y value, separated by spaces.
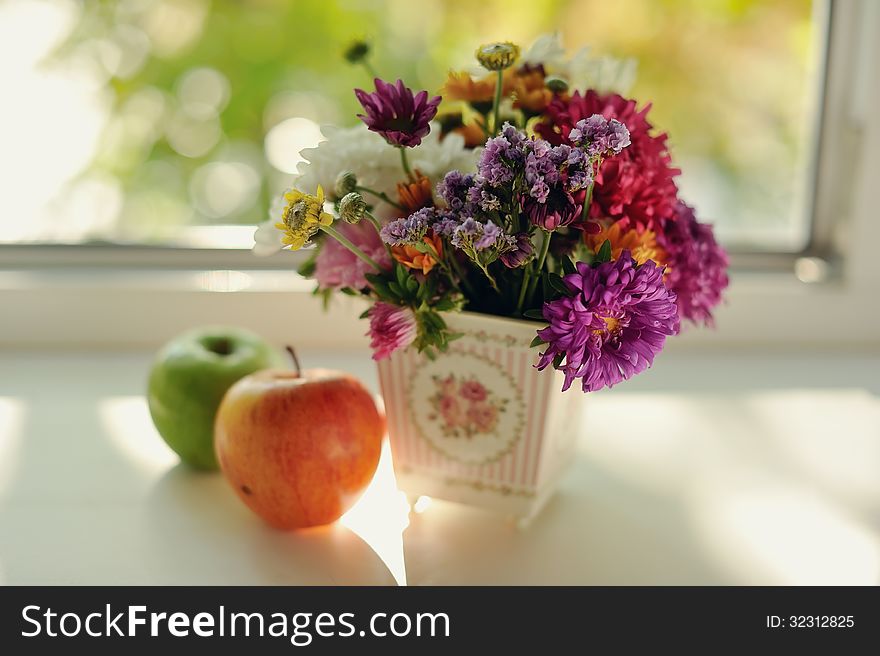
pixel 612 326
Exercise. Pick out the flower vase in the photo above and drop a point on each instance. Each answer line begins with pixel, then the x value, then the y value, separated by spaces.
pixel 479 424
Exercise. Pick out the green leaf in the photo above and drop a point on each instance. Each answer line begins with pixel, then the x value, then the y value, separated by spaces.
pixel 537 341
pixel 604 254
pixel 567 265
pixel 401 274
pixel 412 285
pixel 349 291
pixel 382 291
pixel 444 305
pixel 546 288
pixel 365 313
pixel 307 268
pixel 557 360
pixel 534 314
pixel 558 284
pixel 397 289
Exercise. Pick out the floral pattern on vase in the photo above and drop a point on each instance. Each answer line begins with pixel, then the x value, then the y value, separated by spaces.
pixel 464 407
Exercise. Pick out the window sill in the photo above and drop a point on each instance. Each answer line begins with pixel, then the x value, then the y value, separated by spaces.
pixel 124 309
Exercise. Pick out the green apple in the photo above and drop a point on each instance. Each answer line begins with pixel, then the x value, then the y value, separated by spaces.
pixel 189 378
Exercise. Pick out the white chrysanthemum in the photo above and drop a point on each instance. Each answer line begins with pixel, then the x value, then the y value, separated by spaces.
pixel 582 71
pixel 547 50
pixel 267 239
pixel 375 163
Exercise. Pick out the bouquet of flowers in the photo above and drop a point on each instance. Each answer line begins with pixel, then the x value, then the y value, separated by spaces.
pixel 533 191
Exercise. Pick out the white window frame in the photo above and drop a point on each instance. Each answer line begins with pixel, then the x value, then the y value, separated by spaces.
pixel 137 297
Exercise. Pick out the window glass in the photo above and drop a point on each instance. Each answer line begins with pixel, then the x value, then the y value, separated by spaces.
pixel 174 122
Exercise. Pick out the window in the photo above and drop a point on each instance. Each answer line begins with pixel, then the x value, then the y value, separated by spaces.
pixel 143 137
pixel 173 122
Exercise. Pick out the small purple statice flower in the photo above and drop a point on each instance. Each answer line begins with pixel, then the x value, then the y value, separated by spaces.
pixel 473 236
pixel 464 234
pixel 502 156
pixel 445 223
pixel 520 253
pixel 600 137
pixel 394 112
pixel 454 187
pixel 490 236
pixel 611 327
pixel 410 229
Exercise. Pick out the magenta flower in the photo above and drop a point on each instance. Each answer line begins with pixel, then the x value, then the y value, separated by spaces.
pixel 337 267
pixel 697 265
pixel 392 327
pixel 401 118
pixel 612 326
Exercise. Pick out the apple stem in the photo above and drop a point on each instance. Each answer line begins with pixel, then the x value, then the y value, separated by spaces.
pixel 292 353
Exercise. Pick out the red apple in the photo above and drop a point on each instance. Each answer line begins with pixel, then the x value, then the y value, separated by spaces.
pixel 298 448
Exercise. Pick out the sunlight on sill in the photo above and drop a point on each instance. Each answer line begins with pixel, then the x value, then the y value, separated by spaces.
pixel 126 421
pixel 381 515
pixel 378 518
pixel 12 413
pixel 782 535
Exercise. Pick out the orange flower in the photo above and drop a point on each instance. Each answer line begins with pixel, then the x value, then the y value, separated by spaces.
pixel 473 134
pixel 529 92
pixel 461 86
pixel 415 195
pixel 453 122
pixel 413 258
pixel 642 245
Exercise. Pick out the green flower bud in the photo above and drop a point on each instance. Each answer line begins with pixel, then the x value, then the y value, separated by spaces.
pixel 356 51
pixel 556 84
pixel 346 182
pixel 497 56
pixel 352 207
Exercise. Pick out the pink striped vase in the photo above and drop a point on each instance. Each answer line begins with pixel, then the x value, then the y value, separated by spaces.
pixel 479 424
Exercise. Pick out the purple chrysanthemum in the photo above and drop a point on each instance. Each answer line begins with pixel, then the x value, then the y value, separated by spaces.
pixel 391 327
pixel 392 111
pixel 612 326
pixel 697 265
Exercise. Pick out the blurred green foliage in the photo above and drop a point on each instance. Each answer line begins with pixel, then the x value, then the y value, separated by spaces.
pixel 729 80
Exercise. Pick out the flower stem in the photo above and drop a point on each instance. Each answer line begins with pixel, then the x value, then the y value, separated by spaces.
pixel 522 292
pixel 369 67
pixel 380 195
pixel 342 239
pixel 489 276
pixel 375 223
pixel 588 198
pixel 585 214
pixel 496 106
pixel 533 283
pixel 443 265
pixel 461 275
pixel 405 163
pixel 545 247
